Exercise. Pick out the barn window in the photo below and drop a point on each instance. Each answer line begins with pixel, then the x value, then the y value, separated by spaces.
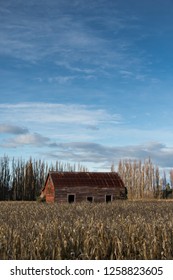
pixel 71 198
pixel 108 198
pixel 90 198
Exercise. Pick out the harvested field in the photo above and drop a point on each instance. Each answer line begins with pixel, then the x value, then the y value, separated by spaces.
pixel 119 230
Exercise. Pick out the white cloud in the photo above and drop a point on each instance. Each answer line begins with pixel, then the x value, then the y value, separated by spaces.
pixel 26 139
pixel 12 129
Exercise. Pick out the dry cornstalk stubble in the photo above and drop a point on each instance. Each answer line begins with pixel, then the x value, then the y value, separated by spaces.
pixel 119 230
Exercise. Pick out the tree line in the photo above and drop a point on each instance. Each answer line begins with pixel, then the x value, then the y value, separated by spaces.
pixel 143 179
pixel 23 180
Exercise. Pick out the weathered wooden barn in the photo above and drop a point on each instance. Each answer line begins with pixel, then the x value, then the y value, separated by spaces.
pixel 83 186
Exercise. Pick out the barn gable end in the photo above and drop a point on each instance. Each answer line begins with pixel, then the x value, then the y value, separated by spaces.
pixel 83 186
pixel 49 189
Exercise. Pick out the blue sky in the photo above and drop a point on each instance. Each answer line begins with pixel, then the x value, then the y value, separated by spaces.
pixel 87 81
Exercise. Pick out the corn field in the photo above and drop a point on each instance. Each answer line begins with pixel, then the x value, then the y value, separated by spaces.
pixel 119 230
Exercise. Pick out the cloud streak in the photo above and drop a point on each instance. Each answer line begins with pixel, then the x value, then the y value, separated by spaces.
pixel 12 129
pixel 58 113
pixel 96 153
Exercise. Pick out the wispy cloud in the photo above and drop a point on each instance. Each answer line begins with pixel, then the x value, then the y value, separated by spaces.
pixel 57 113
pixel 33 37
pixel 72 68
pixel 69 40
pixel 61 79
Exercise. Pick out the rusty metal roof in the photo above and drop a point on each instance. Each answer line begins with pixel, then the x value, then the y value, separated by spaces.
pixel 79 179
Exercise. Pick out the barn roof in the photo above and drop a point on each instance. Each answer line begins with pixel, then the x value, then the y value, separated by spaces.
pixel 99 179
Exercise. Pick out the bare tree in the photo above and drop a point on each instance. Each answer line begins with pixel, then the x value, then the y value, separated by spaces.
pixel 141 179
pixel 4 177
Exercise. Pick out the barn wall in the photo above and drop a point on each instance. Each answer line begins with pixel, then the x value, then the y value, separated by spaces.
pixel 81 193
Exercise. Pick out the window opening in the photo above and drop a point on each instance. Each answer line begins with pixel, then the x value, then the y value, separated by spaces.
pixel 90 198
pixel 108 198
pixel 71 198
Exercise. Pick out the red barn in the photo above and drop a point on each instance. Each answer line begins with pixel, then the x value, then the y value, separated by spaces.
pixel 83 186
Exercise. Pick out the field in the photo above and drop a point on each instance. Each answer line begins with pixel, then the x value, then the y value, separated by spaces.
pixel 119 230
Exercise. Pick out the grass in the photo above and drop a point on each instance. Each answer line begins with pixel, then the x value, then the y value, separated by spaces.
pixel 119 230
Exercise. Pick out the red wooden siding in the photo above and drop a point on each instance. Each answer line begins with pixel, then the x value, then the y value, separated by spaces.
pixel 49 190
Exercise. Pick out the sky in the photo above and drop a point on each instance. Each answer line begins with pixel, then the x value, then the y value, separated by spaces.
pixel 87 82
